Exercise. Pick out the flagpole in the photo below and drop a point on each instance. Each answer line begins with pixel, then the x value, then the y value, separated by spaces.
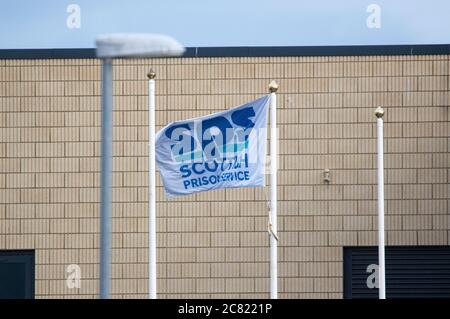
pixel 151 186
pixel 273 87
pixel 379 112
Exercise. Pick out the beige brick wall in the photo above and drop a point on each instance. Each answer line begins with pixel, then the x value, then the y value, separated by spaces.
pixel 215 244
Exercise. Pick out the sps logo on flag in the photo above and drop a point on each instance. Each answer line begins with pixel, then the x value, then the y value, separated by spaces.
pixel 221 150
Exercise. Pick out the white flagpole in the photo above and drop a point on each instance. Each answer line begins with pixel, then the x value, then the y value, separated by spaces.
pixel 379 112
pixel 151 186
pixel 273 87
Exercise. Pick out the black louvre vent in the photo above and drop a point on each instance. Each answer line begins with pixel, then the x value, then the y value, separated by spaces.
pixel 411 272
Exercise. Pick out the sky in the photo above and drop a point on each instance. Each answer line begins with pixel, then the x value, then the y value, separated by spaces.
pixel 206 23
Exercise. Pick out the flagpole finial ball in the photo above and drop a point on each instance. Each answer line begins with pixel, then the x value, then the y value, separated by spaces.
pixel 379 112
pixel 151 74
pixel 273 87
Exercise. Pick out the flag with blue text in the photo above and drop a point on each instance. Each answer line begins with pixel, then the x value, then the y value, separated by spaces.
pixel 220 150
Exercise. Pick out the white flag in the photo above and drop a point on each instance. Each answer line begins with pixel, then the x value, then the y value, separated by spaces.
pixel 221 150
